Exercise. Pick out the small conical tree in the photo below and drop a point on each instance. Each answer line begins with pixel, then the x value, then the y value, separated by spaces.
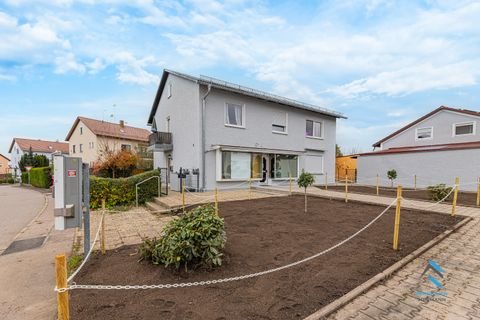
pixel 304 181
pixel 392 175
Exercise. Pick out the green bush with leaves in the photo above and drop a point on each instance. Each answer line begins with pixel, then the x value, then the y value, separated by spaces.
pixel 196 238
pixel 41 177
pixel 392 175
pixel 439 192
pixel 24 177
pixel 305 180
pixel 121 191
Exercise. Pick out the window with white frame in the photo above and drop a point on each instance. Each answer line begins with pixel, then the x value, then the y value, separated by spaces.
pixel 236 165
pixel 314 129
pixel 467 128
pixel 169 90
pixel 424 133
pixel 286 166
pixel 234 115
pixel 279 123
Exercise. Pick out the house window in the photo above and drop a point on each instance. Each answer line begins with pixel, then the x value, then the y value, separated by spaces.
pixel 234 115
pixel 80 148
pixel 73 149
pixel 256 168
pixel 169 90
pixel 286 166
pixel 91 145
pixel 81 130
pixel 424 133
pixel 314 129
pixel 279 123
pixel 460 129
pixel 18 151
pixel 126 147
pixel 241 165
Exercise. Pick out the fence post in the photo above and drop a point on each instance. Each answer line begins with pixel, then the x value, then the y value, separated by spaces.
pixel 216 201
pixel 396 229
pixel 250 188
pixel 478 193
pixel 455 196
pixel 103 227
pixel 183 195
pixel 377 186
pixel 346 188
pixel 415 182
pixel 159 186
pixel 326 181
pixel 61 282
pixel 290 182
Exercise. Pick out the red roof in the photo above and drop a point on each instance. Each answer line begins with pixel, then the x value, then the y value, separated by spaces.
pixel 39 145
pixel 1 155
pixel 429 148
pixel 442 108
pixel 109 129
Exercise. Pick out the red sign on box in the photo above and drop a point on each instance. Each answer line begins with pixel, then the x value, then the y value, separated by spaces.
pixel 72 173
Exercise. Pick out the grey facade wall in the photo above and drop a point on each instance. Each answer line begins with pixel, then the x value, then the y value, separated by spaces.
pixel 430 167
pixel 442 123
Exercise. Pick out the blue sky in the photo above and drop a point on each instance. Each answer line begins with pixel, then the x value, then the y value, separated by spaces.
pixel 382 63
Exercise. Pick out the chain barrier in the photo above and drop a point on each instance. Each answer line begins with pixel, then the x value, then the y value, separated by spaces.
pixel 414 203
pixel 74 286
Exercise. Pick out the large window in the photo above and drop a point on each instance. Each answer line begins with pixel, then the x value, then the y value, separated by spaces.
pixel 424 133
pixel 314 129
pixel 286 166
pixel 241 165
pixel 234 115
pixel 464 128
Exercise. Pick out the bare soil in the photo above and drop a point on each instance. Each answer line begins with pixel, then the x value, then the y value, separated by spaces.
pixel 463 198
pixel 262 234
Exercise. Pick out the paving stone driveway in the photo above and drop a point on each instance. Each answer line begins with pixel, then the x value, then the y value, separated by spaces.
pixel 395 298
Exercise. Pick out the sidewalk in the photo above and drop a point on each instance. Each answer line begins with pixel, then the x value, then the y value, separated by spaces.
pixel 458 255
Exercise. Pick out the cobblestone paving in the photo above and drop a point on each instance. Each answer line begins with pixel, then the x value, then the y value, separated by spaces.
pixel 395 298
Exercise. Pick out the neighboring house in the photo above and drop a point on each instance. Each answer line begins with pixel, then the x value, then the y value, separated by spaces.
pixel 91 139
pixel 436 148
pixel 20 146
pixel 232 133
pixel 4 165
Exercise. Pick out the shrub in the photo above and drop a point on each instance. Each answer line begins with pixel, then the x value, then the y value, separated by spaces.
pixel 121 191
pixel 304 181
pixel 392 175
pixel 439 191
pixel 40 177
pixel 196 238
pixel 117 164
pixel 24 177
pixel 10 180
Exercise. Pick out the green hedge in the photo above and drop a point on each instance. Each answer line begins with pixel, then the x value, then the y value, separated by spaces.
pixel 40 177
pixel 121 191
pixel 25 177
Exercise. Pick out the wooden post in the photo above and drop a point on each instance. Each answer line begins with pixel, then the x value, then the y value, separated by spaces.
pixel 478 193
pixel 290 182
pixel 396 229
pixel 346 188
pixel 377 186
pixel 250 188
pixel 455 196
pixel 61 282
pixel 326 181
pixel 415 182
pixel 183 195
pixel 102 239
pixel 216 201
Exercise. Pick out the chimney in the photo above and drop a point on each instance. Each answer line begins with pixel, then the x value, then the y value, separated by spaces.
pixel 122 124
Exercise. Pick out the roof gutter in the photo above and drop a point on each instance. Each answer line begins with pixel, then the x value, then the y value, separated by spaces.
pixel 204 109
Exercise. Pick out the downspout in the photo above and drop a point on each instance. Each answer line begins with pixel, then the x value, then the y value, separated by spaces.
pixel 204 107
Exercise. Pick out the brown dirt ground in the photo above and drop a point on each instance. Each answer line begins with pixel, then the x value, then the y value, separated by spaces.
pixel 464 198
pixel 262 234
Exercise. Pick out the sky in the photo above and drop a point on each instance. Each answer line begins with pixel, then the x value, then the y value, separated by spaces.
pixel 382 63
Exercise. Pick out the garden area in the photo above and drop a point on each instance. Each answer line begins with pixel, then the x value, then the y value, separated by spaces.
pixel 260 234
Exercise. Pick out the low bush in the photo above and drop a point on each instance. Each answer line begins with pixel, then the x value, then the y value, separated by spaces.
pixel 121 191
pixel 40 177
pixel 196 238
pixel 439 191
pixel 25 177
pixel 10 181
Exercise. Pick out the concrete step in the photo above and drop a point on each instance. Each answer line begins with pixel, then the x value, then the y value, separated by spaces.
pixel 158 201
pixel 155 207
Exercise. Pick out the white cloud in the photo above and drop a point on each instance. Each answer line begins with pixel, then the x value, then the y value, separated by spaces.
pixel 67 63
pixel 132 70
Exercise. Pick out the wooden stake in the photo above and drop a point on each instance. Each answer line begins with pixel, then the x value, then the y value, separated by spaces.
pixel 346 188
pixel 377 186
pixel 250 189
pixel 396 229
pixel 415 182
pixel 61 282
pixel 455 196
pixel 183 195
pixel 102 244
pixel 216 201
pixel 326 181
pixel 478 193
pixel 290 181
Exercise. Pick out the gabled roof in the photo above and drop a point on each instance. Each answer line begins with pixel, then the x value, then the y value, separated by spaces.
pixel 112 130
pixel 228 86
pixel 39 145
pixel 1 155
pixel 429 148
pixel 428 115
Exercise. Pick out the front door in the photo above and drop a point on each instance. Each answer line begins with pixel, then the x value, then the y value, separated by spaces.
pixel 266 169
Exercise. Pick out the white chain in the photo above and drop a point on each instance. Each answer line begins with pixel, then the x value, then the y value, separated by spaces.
pixel 209 282
pixel 414 203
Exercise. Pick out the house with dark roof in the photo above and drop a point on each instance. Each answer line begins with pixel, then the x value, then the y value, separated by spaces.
pixel 20 146
pixel 91 139
pixel 435 148
pixel 231 134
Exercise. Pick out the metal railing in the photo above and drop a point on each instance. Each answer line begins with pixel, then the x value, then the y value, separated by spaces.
pixel 160 138
pixel 148 179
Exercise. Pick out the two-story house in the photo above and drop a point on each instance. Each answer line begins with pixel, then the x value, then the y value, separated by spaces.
pixel 435 148
pixel 20 146
pixel 92 139
pixel 232 134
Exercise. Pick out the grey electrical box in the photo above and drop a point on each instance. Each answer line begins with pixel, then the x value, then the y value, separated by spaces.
pixel 68 192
